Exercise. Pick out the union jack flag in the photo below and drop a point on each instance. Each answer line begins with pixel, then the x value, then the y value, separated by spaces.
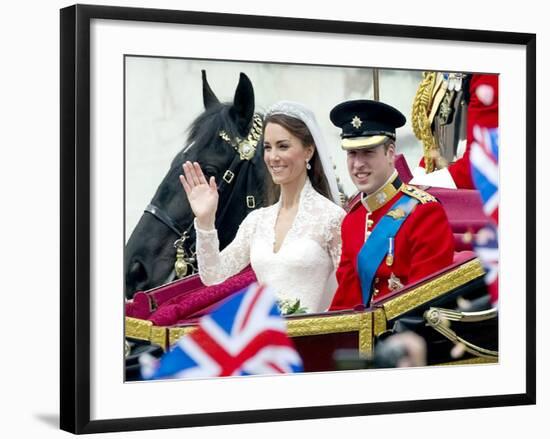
pixel 246 335
pixel 486 248
pixel 484 162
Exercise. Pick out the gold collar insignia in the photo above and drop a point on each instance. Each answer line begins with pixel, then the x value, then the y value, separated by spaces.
pixel 379 198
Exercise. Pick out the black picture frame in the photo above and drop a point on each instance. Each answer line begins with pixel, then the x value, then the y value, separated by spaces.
pixel 75 273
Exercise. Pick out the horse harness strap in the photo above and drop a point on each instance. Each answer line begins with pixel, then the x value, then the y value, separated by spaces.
pixel 227 177
pixel 246 149
pixel 182 261
pixel 163 217
pixel 226 180
pixel 229 174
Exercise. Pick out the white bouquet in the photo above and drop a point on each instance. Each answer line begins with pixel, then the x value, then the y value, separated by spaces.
pixel 291 306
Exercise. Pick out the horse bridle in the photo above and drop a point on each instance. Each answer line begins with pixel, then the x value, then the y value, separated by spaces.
pixel 183 261
pixel 246 149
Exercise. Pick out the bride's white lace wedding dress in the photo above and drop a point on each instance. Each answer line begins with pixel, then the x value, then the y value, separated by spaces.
pixel 303 267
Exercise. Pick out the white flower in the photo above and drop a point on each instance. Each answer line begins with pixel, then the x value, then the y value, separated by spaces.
pixel 291 306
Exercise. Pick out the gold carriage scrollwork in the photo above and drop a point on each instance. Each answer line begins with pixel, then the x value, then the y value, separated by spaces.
pixel 368 323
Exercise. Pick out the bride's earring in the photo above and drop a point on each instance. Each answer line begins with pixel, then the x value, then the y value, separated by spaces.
pixel 308 166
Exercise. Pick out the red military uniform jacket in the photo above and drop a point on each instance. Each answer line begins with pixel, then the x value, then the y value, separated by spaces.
pixel 482 111
pixel 423 245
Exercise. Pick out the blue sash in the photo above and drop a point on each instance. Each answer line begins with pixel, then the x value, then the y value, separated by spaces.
pixel 375 248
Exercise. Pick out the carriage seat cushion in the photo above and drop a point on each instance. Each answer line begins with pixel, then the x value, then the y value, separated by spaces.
pixel 145 302
pixel 463 208
pixel 182 307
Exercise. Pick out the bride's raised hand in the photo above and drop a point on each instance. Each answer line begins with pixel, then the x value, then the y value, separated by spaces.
pixel 202 194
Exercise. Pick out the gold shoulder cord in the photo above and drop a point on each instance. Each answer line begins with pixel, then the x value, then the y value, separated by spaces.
pixel 420 118
pixel 422 196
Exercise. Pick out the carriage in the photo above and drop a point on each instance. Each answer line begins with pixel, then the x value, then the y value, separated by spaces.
pixel 447 308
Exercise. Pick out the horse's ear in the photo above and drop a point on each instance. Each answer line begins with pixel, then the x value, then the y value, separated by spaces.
pixel 243 103
pixel 208 96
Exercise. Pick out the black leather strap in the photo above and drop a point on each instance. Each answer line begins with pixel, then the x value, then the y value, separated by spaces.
pixel 163 218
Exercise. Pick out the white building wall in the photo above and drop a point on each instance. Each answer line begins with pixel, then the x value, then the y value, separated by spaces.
pixel 163 96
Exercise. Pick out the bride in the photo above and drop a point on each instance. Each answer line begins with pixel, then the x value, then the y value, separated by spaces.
pixel 293 245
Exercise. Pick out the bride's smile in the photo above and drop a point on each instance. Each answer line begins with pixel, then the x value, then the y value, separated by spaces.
pixel 284 154
pixel 293 242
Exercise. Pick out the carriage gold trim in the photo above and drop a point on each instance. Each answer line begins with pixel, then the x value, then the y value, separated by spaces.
pixel 364 326
pixel 303 326
pixel 394 307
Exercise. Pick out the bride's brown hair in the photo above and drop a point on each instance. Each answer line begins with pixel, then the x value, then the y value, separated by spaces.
pixel 316 174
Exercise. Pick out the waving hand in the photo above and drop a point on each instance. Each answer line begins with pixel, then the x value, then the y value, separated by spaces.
pixel 202 194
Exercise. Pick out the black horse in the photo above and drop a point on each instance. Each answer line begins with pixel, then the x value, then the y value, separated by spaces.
pixel 225 140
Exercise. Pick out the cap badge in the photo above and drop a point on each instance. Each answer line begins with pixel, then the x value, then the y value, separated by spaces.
pixel 356 122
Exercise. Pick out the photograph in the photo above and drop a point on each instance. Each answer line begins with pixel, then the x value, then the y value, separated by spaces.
pixel 291 159
pixel 288 208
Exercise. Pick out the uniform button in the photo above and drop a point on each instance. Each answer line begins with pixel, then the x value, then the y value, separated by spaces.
pixel 376 280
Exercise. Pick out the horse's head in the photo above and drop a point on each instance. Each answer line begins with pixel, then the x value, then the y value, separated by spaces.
pixel 222 140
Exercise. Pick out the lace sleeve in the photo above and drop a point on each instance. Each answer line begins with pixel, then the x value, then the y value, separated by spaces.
pixel 216 266
pixel 334 237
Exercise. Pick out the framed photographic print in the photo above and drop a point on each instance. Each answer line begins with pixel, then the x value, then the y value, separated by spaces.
pixel 143 91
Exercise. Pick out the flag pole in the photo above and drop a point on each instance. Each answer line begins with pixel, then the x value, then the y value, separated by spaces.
pixel 375 84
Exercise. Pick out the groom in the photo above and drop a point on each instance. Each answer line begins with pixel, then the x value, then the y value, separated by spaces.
pixel 395 234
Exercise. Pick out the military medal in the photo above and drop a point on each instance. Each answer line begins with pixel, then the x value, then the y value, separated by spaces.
pixel 389 257
pixel 394 283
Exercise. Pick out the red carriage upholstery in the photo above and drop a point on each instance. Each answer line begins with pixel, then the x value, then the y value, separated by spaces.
pixel 184 299
pixel 402 168
pixel 463 207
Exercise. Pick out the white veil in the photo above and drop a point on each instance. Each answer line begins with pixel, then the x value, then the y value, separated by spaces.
pixel 301 112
